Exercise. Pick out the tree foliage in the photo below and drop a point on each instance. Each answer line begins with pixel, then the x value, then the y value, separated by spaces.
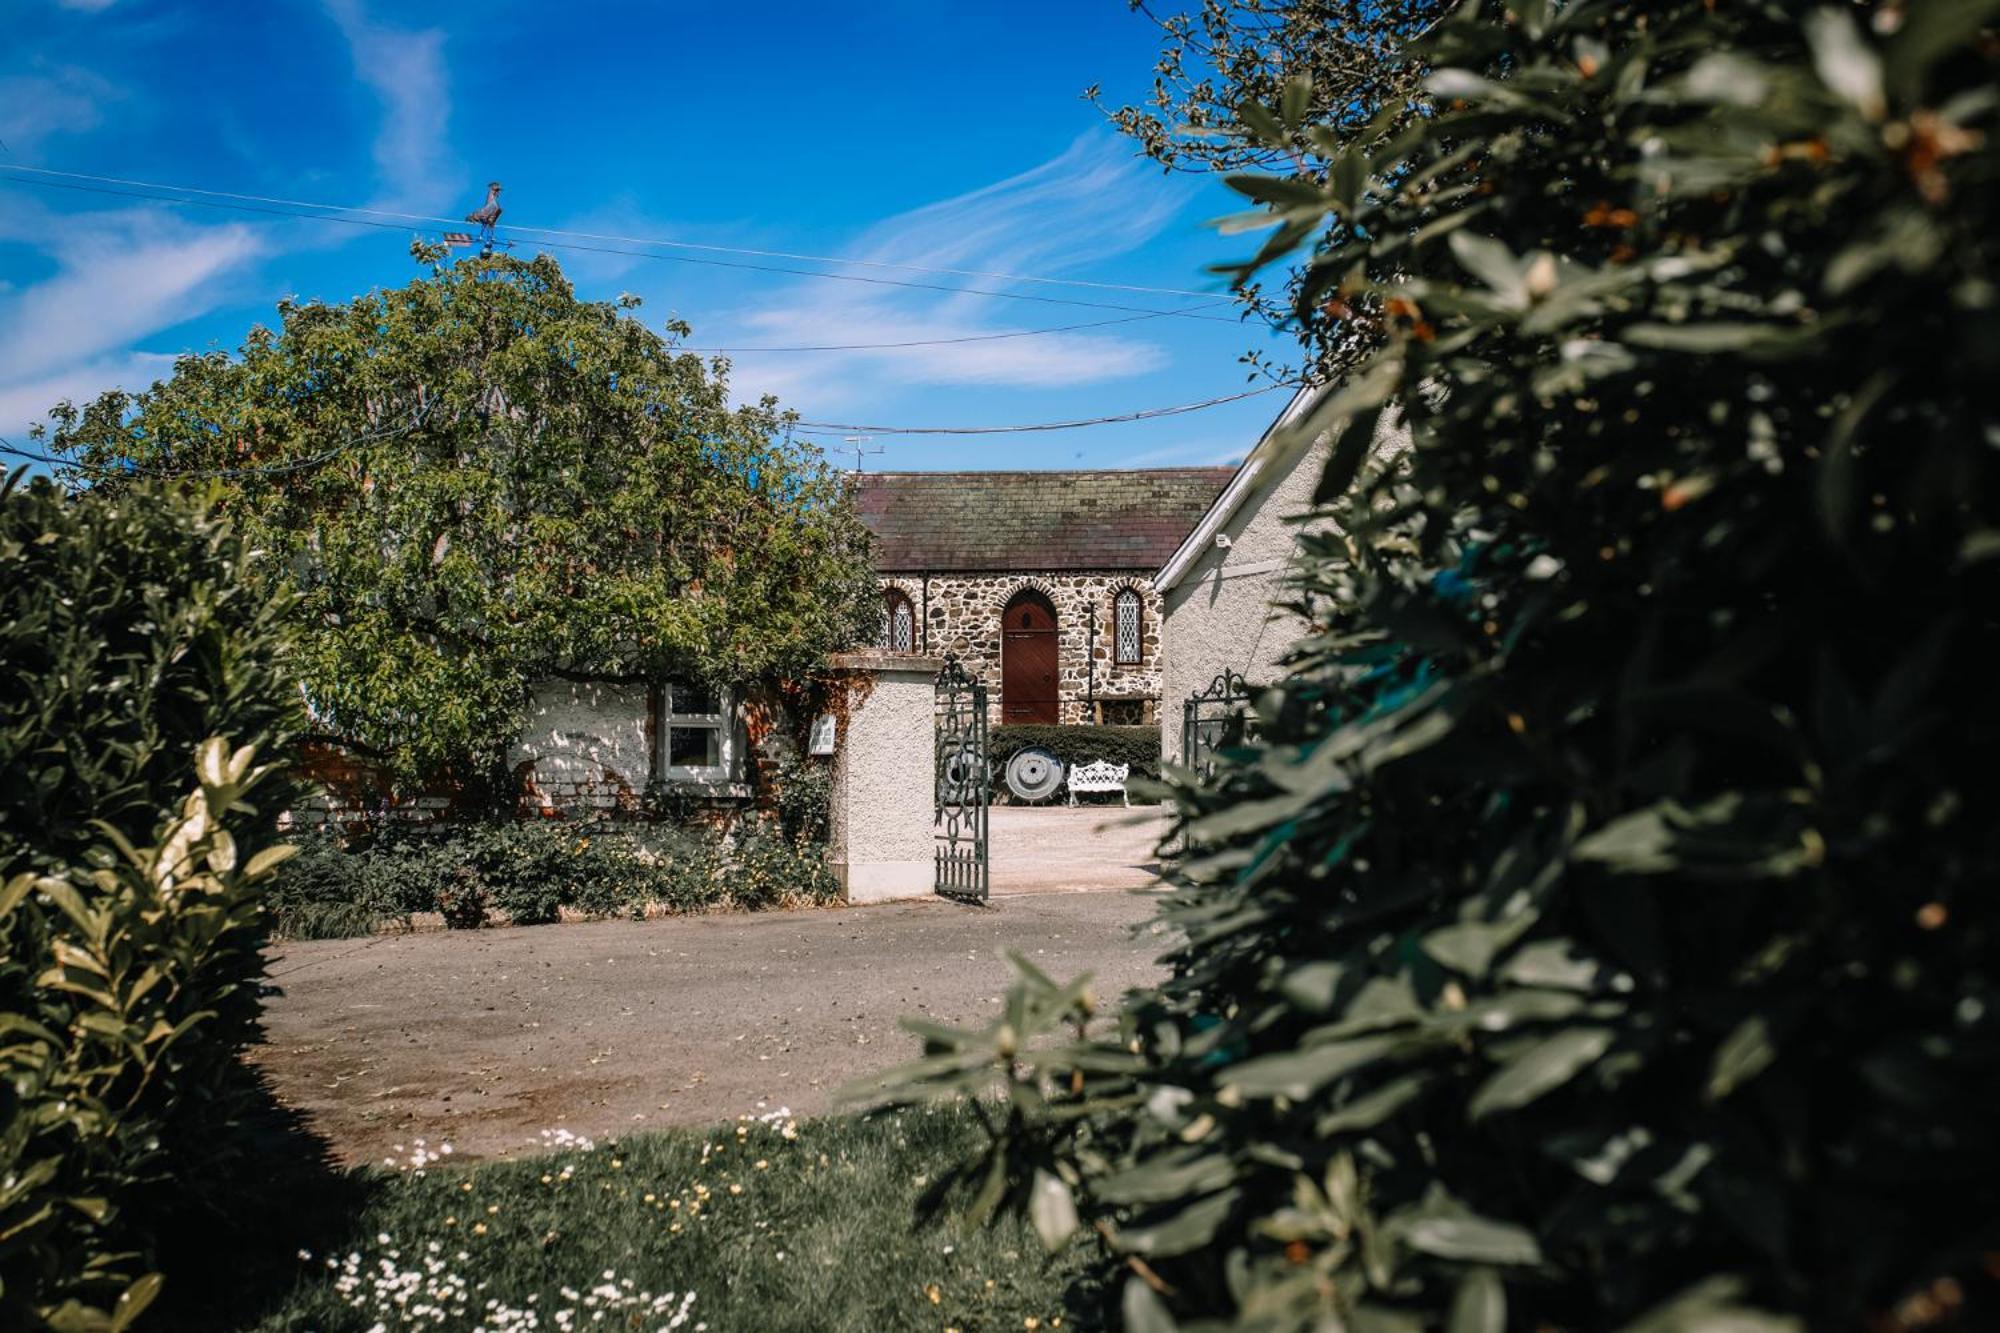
pixel 1600 933
pixel 1328 67
pixel 477 481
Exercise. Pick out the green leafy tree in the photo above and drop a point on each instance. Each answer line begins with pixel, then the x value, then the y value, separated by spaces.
pixel 478 481
pixel 1600 932
pixel 1328 67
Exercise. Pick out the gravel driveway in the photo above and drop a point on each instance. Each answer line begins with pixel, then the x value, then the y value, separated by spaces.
pixel 486 1040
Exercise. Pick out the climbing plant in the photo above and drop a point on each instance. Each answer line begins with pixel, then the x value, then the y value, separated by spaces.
pixel 1599 933
pixel 478 480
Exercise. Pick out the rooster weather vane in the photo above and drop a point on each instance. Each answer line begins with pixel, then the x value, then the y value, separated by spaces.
pixel 486 215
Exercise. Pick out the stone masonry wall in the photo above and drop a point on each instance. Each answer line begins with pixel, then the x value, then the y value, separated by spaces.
pixel 960 613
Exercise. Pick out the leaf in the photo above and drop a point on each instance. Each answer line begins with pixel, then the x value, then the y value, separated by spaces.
pixel 1542 1068
pixel 1553 963
pixel 1052 1209
pixel 1162 1178
pixel 269 859
pixel 1472 1238
pixel 1299 1074
pixel 1711 1306
pixel 1350 451
pixel 1374 1107
pixel 1835 486
pixel 1745 1053
pixel 1278 191
pixel 1846 63
pixel 211 763
pixel 1328 409
pixel 134 1300
pixel 1480 1305
pixel 1294 100
pixel 1469 946
pixel 1709 338
pixel 1189 1229
pixel 1142 1310
pixel 1493 264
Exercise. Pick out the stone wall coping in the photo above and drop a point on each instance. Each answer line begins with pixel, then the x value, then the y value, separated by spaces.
pixel 876 659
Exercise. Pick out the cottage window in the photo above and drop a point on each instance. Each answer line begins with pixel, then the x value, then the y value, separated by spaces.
pixel 899 624
pixel 1125 627
pixel 697 733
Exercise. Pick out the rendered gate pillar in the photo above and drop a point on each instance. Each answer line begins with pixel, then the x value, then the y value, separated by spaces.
pixel 884 793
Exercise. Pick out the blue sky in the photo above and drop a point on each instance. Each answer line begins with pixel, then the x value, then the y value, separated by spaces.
pixel 943 134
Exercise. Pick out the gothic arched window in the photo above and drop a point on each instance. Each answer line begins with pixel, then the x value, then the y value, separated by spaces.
pixel 899 624
pixel 1126 611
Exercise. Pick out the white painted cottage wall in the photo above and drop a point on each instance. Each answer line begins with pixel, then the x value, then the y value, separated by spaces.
pixel 589 744
pixel 1220 614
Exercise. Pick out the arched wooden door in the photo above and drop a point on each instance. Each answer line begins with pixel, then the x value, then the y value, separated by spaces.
pixel 1028 689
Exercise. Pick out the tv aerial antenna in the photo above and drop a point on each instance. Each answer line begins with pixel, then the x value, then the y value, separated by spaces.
pixel 487 216
pixel 858 446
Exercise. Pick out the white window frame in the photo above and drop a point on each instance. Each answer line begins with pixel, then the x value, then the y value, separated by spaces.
pixel 722 722
pixel 1138 603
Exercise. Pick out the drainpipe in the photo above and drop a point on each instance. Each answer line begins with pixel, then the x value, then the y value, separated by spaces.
pixel 1090 668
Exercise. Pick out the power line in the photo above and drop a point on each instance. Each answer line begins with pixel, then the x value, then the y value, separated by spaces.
pixel 1147 414
pixel 934 342
pixel 612 250
pixel 663 242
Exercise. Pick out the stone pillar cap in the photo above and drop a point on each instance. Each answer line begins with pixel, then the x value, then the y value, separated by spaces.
pixel 881 659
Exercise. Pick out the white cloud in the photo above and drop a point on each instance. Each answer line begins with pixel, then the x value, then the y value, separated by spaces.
pixel 67 100
pixel 1091 203
pixel 121 277
pixel 27 402
pixel 406 72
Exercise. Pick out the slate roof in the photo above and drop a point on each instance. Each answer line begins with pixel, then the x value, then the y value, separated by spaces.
pixel 946 522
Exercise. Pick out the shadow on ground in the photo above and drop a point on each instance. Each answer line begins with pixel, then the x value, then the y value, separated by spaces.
pixel 229 1246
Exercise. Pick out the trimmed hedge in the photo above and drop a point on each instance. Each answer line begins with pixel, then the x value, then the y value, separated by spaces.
pixel 531 873
pixel 132 636
pixel 1137 746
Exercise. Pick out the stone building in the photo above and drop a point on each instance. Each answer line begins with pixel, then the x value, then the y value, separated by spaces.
pixel 1041 582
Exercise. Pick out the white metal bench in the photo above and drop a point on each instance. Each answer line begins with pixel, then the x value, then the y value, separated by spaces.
pixel 1099 776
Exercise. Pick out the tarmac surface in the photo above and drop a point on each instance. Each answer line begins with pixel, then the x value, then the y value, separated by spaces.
pixel 493 1040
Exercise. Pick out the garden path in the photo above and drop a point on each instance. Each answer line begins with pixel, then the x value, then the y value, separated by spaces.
pixel 485 1040
pixel 1072 849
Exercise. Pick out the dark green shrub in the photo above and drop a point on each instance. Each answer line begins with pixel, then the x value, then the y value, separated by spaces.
pixel 532 872
pixel 130 923
pixel 765 870
pixel 1601 931
pixel 1137 746
pixel 804 802
pixel 325 893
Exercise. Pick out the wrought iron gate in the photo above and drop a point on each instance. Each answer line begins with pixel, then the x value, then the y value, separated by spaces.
pixel 1215 719
pixel 964 784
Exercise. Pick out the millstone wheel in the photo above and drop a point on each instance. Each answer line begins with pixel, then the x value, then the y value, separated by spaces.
pixel 1034 774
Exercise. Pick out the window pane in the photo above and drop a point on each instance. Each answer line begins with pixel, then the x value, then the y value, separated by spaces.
pixel 1128 626
pixel 903 628
pixel 693 699
pixel 694 747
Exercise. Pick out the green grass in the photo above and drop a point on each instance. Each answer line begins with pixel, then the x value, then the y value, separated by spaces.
pixel 772 1227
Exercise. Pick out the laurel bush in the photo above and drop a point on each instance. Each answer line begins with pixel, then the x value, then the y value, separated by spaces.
pixel 130 882
pixel 1599 931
